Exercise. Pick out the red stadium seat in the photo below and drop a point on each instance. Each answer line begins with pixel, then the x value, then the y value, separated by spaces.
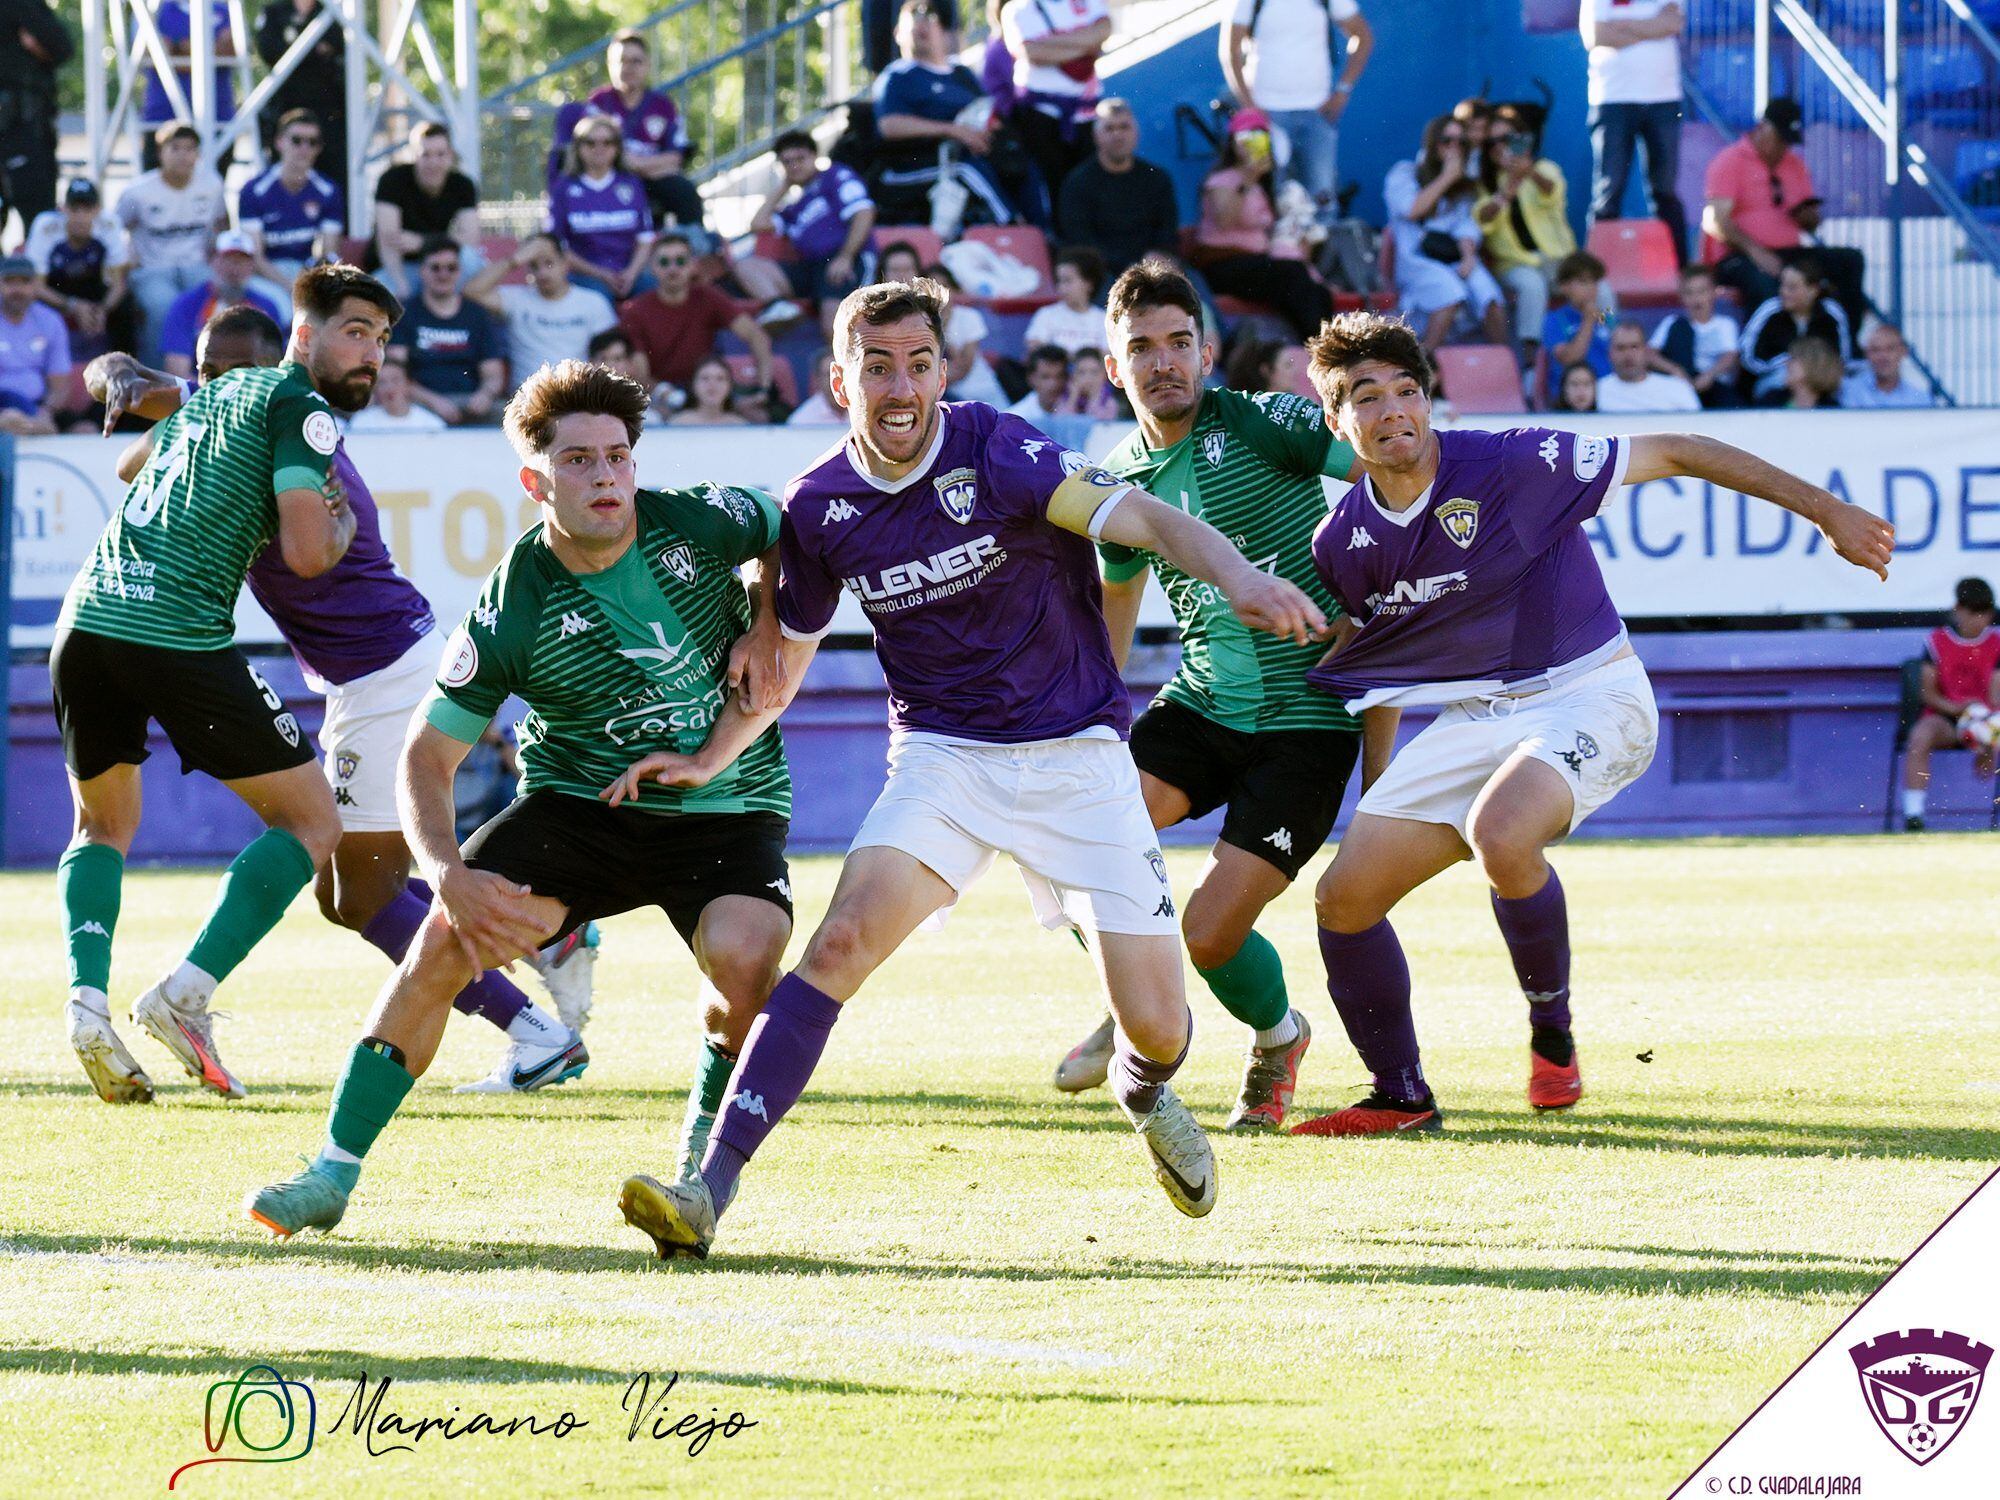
pixel 774 246
pixel 1638 255
pixel 919 237
pixel 1480 378
pixel 1027 245
pixel 744 368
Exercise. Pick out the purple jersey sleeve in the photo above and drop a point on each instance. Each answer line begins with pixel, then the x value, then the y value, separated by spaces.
pixel 1556 480
pixel 807 593
pixel 1028 469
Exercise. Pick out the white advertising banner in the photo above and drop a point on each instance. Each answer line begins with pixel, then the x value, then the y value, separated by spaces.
pixel 451 504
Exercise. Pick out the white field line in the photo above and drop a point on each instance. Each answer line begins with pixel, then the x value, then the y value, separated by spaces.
pixel 1016 1351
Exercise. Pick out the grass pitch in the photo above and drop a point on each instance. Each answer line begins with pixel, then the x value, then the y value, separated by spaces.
pixel 944 1278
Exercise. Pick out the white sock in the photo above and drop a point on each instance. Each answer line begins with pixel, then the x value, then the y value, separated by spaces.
pixel 188 987
pixel 537 1025
pixel 1283 1034
pixel 1913 803
pixel 94 1001
pixel 333 1153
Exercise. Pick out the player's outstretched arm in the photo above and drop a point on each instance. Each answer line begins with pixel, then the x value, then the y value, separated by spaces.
pixel 124 385
pixel 494 919
pixel 1863 539
pixel 1261 601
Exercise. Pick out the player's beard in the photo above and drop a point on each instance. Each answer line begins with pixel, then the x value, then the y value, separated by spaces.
pixel 349 392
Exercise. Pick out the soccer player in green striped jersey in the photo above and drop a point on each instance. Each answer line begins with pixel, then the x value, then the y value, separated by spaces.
pixel 147 632
pixel 1236 727
pixel 615 620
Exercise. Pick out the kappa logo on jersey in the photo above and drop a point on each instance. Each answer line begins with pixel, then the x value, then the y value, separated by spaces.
pixel 321 432
pixel 573 624
pixel 1362 538
pixel 663 651
pixel 1033 447
pixel 679 561
pixel 838 510
pixel 346 764
pixel 289 728
pixel 752 1104
pixel 1460 520
pixel 1588 458
pixel 461 660
pixel 91 929
pixel 1212 446
pixel 1405 594
pixel 782 887
pixel 1281 840
pixel 957 493
pixel 486 615
pixel 1551 447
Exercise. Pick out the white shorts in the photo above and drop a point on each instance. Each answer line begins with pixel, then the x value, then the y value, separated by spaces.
pixel 1069 813
pixel 1598 731
pixel 362 736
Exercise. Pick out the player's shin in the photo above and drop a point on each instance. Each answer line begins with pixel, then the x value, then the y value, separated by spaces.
pixel 256 888
pixel 1368 979
pixel 1537 932
pixel 493 997
pixel 778 1059
pixel 371 1089
pixel 1136 1079
pixel 89 878
pixel 1251 987
pixel 711 1086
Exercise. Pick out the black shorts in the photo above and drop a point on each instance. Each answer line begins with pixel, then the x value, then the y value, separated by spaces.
pixel 1283 787
pixel 222 718
pixel 601 860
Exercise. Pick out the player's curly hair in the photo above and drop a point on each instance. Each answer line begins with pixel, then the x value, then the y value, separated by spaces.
pixel 891 302
pixel 1358 338
pixel 320 291
pixel 565 390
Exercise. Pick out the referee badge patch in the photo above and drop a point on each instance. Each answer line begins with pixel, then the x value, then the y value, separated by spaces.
pixel 321 432
pixel 1460 520
pixel 461 660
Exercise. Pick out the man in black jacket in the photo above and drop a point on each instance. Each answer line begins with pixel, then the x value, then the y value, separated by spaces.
pixel 1117 201
pixel 319 83
pixel 33 44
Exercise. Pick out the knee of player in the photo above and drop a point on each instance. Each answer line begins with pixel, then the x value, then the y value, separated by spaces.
pixel 318 828
pixel 741 980
pixel 1212 938
pixel 1505 850
pixel 838 947
pixel 436 957
pixel 1339 905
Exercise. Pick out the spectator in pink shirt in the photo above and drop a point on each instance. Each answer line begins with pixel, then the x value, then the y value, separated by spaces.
pixel 1236 249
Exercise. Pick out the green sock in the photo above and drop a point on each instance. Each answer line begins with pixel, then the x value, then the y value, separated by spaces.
pixel 87 885
pixel 366 1099
pixel 711 1079
pixel 256 888
pixel 1251 986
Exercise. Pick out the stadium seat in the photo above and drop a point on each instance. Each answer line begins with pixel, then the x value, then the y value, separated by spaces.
pixel 1727 75
pixel 1638 256
pixel 1910 708
pixel 1977 166
pixel 1480 379
pixel 1846 167
pixel 919 237
pixel 744 368
pixel 1029 246
pixel 1822 100
pixel 774 246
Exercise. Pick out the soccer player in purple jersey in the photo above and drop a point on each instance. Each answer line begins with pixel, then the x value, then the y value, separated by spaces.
pixel 966 535
pixel 1470 587
pixel 365 639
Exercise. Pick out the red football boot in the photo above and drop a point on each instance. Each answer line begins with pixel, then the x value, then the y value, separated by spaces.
pixel 1553 1085
pixel 1378 1114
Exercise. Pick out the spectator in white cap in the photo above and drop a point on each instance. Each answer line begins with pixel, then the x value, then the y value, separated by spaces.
pixel 230 268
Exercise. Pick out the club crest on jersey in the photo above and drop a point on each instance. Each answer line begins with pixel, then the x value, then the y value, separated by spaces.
pixel 345 764
pixel 1211 447
pixel 957 493
pixel 679 561
pixel 1159 863
pixel 1460 520
pixel 1921 1386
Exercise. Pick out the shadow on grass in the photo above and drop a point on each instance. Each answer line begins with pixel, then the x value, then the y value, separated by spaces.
pixel 1833 1277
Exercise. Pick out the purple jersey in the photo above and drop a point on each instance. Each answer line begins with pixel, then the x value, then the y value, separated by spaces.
pixel 988 617
pixel 816 221
pixel 1486 580
pixel 601 221
pixel 291 222
pixel 357 617
pixel 651 126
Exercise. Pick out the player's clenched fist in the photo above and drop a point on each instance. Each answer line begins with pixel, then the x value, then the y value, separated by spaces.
pixel 494 919
pixel 1271 604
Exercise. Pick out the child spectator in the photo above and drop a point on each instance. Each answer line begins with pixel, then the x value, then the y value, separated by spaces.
pixel 390 410
pixel 711 397
pixel 1075 321
pixel 1048 380
pixel 82 255
pixel 898 261
pixel 1959 674
pixel 1579 389
pixel 598 212
pixel 1813 373
pixel 1091 396
pixel 1573 333
pixel 1698 343
pixel 615 350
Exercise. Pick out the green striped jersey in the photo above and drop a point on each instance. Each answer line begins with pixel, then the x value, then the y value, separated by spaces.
pixel 1251 468
pixel 167 570
pixel 616 665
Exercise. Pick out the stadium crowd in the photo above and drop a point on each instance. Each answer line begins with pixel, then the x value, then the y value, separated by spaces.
pixel 1025 186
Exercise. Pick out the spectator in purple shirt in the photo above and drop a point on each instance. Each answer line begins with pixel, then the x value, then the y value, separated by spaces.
pixel 34 352
pixel 656 136
pixel 598 212
pixel 827 223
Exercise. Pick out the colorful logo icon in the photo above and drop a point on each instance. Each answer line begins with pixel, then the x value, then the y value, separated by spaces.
pixel 268 1416
pixel 1921 1387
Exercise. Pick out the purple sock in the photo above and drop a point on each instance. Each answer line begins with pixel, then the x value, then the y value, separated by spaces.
pixel 777 1060
pixel 492 996
pixel 1369 980
pixel 1537 932
pixel 1136 1079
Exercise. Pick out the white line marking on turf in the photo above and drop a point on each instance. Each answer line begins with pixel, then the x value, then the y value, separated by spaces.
pixel 1019 1351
